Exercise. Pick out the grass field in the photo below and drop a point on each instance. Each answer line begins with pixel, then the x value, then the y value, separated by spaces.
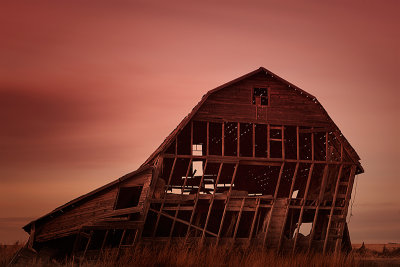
pixel 180 255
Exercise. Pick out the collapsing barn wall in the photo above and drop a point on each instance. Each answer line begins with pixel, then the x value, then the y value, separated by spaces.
pixel 263 199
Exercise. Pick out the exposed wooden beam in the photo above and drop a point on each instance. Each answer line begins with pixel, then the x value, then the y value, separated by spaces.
pixel 302 207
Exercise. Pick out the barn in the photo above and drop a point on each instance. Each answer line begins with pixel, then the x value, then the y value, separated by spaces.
pixel 258 161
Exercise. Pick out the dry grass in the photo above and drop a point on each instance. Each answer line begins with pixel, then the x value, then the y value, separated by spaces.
pixel 181 255
pixel 7 252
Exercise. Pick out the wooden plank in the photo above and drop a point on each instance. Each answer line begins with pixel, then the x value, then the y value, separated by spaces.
pixel 254 140
pixel 238 140
pixel 273 205
pixel 227 203
pixel 182 221
pixel 223 138
pixel 287 209
pixel 208 139
pixel 302 208
pixel 320 197
pixel 196 201
pixel 179 204
pixel 297 143
pixel 165 195
pixel 268 142
pixel 211 204
pixel 254 220
pixel 238 219
pixel 332 209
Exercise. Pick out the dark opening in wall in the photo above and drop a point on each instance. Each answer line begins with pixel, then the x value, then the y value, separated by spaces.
pixel 333 147
pixel 200 137
pixel 178 176
pixel 172 148
pixel 305 146
pixel 261 146
pixel 210 178
pixel 316 181
pixel 128 197
pixel 260 96
pixel 215 137
pixel 319 146
pixel 286 179
pixel 245 180
pixel 230 138
pixel 301 179
pixel 290 142
pixel 225 178
pixel 184 141
pixel 275 137
pixel 246 140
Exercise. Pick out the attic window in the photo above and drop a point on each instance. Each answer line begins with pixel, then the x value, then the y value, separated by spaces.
pixel 260 96
pixel 128 197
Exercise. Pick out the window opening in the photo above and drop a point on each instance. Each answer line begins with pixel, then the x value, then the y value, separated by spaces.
pixel 128 197
pixel 260 96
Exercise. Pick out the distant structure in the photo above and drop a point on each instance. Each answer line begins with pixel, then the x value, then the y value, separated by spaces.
pixel 256 162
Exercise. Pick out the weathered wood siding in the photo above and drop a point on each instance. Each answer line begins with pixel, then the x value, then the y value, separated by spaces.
pixel 91 209
pixel 287 106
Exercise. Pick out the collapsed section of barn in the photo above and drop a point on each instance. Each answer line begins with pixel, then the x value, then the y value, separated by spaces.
pixel 257 162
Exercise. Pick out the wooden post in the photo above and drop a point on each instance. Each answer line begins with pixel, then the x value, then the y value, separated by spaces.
pixel 332 208
pixel 195 202
pixel 238 219
pixel 268 142
pixel 191 137
pixel 211 204
pixel 254 140
pixel 87 244
pixel 328 156
pixel 297 143
pixel 345 209
pixel 238 140
pixel 283 142
pixel 302 207
pixel 254 220
pixel 227 203
pixel 273 204
pixel 320 198
pixel 312 145
pixel 179 204
pixel 223 138
pixel 208 139
pixel 288 207
pixel 165 195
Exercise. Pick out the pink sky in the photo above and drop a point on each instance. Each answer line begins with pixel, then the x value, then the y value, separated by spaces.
pixel 89 89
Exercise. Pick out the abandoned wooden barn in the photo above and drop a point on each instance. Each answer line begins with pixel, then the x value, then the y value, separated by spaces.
pixel 256 162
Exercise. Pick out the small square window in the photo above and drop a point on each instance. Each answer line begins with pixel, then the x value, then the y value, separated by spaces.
pixel 260 96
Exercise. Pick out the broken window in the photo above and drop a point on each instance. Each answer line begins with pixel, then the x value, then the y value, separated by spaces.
pixel 260 96
pixel 246 139
pixel 128 197
pixel 230 138
pixel 215 137
pixel 261 146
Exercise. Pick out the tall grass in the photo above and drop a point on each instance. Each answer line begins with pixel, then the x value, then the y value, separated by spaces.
pixel 178 254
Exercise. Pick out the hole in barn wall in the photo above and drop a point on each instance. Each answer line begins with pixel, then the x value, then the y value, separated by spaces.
pixel 230 138
pixel 128 197
pixel 215 137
